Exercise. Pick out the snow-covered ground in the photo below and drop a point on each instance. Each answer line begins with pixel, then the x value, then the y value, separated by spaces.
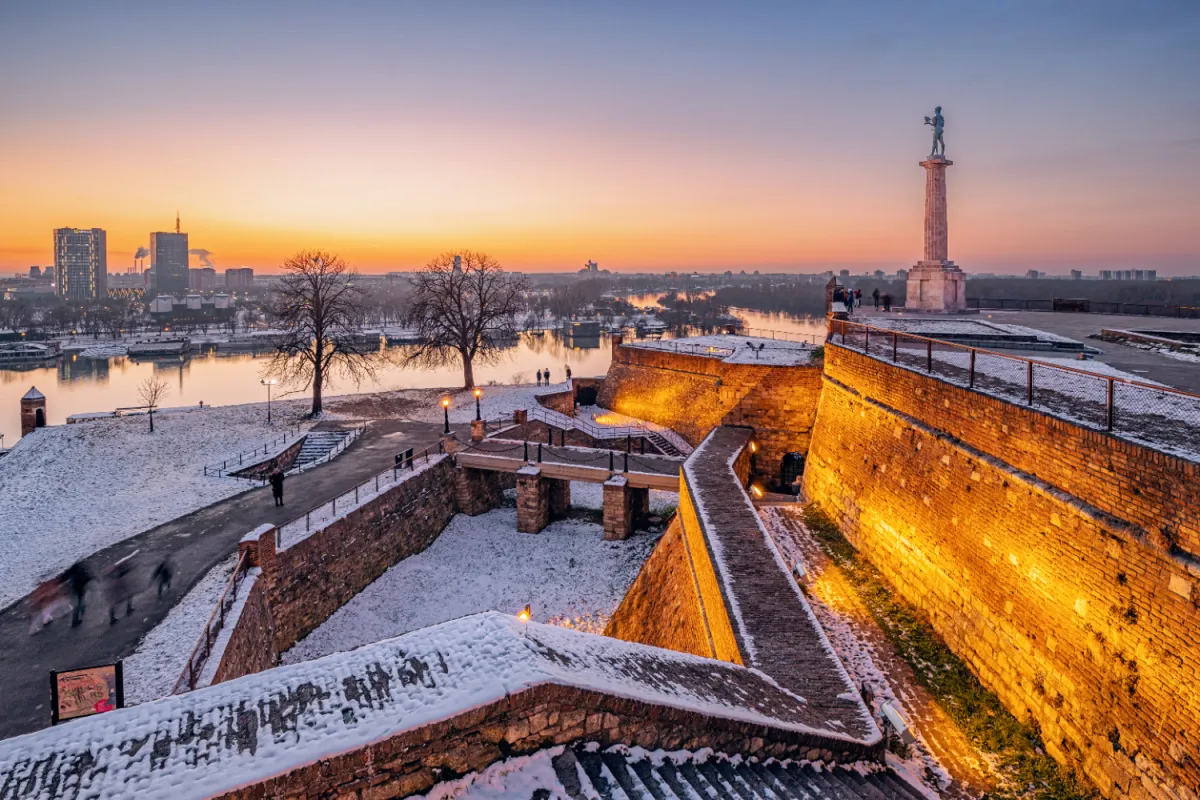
pixel 591 495
pixel 71 490
pixel 425 404
pixel 735 349
pixel 567 573
pixel 158 661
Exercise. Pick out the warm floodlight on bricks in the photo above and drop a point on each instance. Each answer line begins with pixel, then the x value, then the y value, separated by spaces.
pixel 525 614
pixel 478 394
pixel 757 491
pixel 893 720
pixel 446 413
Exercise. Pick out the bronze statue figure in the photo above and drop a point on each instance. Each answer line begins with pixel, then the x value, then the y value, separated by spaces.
pixel 938 124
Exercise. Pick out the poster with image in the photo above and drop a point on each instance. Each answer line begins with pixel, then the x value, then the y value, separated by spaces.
pixel 83 692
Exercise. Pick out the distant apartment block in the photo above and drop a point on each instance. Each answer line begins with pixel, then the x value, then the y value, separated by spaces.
pixel 239 278
pixel 203 279
pixel 169 262
pixel 1076 275
pixel 80 264
pixel 1128 274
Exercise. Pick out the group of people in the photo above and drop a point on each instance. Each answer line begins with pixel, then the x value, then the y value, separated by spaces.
pixel 68 591
pixel 544 375
pixel 853 297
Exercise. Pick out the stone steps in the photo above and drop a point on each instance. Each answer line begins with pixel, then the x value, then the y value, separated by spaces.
pixel 318 444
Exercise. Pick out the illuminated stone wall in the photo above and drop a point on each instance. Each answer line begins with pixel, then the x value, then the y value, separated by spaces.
pixel 662 608
pixel 1078 618
pixel 694 394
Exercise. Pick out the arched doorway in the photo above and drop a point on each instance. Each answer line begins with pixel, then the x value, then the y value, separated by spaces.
pixel 39 418
pixel 791 467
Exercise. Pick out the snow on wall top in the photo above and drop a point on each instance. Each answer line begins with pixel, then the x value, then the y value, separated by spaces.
pixel 244 731
pixel 735 349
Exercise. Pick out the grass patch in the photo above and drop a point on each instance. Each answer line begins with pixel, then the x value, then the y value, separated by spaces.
pixel 1016 747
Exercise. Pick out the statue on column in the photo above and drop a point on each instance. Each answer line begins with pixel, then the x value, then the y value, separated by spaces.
pixel 938 124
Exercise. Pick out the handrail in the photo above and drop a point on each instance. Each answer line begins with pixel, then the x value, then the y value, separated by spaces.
pixel 764 333
pixel 943 343
pixel 200 653
pixel 1156 416
pixel 220 470
pixel 560 420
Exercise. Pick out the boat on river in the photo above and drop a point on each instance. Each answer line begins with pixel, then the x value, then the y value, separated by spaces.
pixel 14 354
pixel 160 347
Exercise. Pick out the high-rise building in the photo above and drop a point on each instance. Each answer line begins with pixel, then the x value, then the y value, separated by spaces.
pixel 1076 274
pixel 203 279
pixel 239 278
pixel 169 261
pixel 80 264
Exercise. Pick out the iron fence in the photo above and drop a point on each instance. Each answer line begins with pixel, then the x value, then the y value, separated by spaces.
pixel 1157 416
pixel 212 629
pixel 256 454
pixel 785 336
pixel 1085 306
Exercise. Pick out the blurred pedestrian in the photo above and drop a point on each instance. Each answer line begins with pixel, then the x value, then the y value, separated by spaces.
pixel 120 588
pixel 539 377
pixel 277 486
pixel 45 602
pixel 76 578
pixel 568 368
pixel 887 302
pixel 547 372
pixel 849 300
pixel 162 576
pixel 875 297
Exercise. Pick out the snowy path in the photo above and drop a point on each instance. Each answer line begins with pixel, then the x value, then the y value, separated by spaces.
pixel 195 543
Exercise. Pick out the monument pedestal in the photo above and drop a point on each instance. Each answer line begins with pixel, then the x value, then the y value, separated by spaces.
pixel 935 284
pixel 937 287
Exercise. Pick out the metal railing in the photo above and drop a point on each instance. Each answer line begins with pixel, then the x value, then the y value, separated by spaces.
pixel 212 629
pixel 643 429
pixel 1085 306
pixel 1157 416
pixel 302 524
pixel 256 454
pixel 597 458
pixel 785 336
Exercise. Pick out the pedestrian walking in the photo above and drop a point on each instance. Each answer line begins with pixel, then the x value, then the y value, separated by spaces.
pixel 119 588
pixel 76 579
pixel 162 576
pixel 539 377
pixel 875 297
pixel 887 302
pixel 849 300
pixel 277 486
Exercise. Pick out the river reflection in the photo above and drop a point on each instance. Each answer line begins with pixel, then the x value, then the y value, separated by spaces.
pixel 77 385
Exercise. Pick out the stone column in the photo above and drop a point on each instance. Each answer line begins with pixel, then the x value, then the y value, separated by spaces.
pixel 533 500
pixel 618 509
pixel 476 491
pixel 935 284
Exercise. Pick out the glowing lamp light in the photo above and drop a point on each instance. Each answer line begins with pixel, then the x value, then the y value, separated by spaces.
pixel 478 392
pixel 754 447
pixel 757 491
pixel 445 402
pixel 525 614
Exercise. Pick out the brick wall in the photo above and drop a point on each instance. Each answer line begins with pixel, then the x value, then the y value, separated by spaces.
pixel 694 394
pixel 528 721
pixel 1070 614
pixel 662 607
pixel 722 641
pixel 563 402
pixel 251 646
pixel 1158 492
pixel 318 575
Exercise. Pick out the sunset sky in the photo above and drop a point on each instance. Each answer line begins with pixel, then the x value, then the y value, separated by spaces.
pixel 646 136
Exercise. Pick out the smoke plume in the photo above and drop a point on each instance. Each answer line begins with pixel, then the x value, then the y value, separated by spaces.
pixel 142 252
pixel 202 254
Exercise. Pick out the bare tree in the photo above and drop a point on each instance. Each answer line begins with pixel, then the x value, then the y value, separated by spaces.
pixel 463 304
pixel 152 390
pixel 320 309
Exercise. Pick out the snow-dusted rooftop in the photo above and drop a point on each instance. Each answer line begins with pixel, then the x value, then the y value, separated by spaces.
pixel 734 349
pixel 214 740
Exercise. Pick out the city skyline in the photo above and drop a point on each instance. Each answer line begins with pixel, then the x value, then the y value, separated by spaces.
pixel 692 138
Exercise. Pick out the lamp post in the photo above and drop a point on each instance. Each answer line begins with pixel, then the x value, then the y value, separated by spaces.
pixel 268 382
pixel 478 394
pixel 446 414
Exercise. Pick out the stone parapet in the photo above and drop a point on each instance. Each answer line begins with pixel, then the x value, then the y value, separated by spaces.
pixel 533 500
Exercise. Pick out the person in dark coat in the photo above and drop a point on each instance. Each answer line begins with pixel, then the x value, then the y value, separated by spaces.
pixel 162 576
pixel 875 297
pixel 887 302
pixel 119 588
pixel 76 579
pixel 277 486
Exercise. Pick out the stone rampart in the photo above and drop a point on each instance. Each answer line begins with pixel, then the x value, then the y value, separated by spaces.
pixel 662 607
pixel 692 394
pixel 1019 535
pixel 251 645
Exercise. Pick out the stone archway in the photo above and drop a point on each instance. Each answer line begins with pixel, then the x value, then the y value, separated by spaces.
pixel 39 418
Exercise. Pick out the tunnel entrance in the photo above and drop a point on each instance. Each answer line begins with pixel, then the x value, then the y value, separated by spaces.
pixel 791 467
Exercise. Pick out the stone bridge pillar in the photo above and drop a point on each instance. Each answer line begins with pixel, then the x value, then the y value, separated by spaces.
pixel 618 508
pixel 533 500
pixel 476 490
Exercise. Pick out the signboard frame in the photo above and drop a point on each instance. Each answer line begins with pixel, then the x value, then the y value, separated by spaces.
pixel 104 671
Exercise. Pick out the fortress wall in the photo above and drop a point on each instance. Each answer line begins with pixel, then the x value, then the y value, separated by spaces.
pixel 662 607
pixel 318 575
pixel 694 394
pixel 1155 491
pixel 251 644
pixel 1058 606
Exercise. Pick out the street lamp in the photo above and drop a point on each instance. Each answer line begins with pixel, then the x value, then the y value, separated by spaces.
pixel 268 382
pixel 446 414
pixel 478 394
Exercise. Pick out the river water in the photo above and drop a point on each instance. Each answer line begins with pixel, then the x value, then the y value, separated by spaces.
pixel 78 385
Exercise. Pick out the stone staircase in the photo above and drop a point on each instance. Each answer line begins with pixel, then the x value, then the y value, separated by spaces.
pixel 319 443
pixel 664 445
pixel 586 772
